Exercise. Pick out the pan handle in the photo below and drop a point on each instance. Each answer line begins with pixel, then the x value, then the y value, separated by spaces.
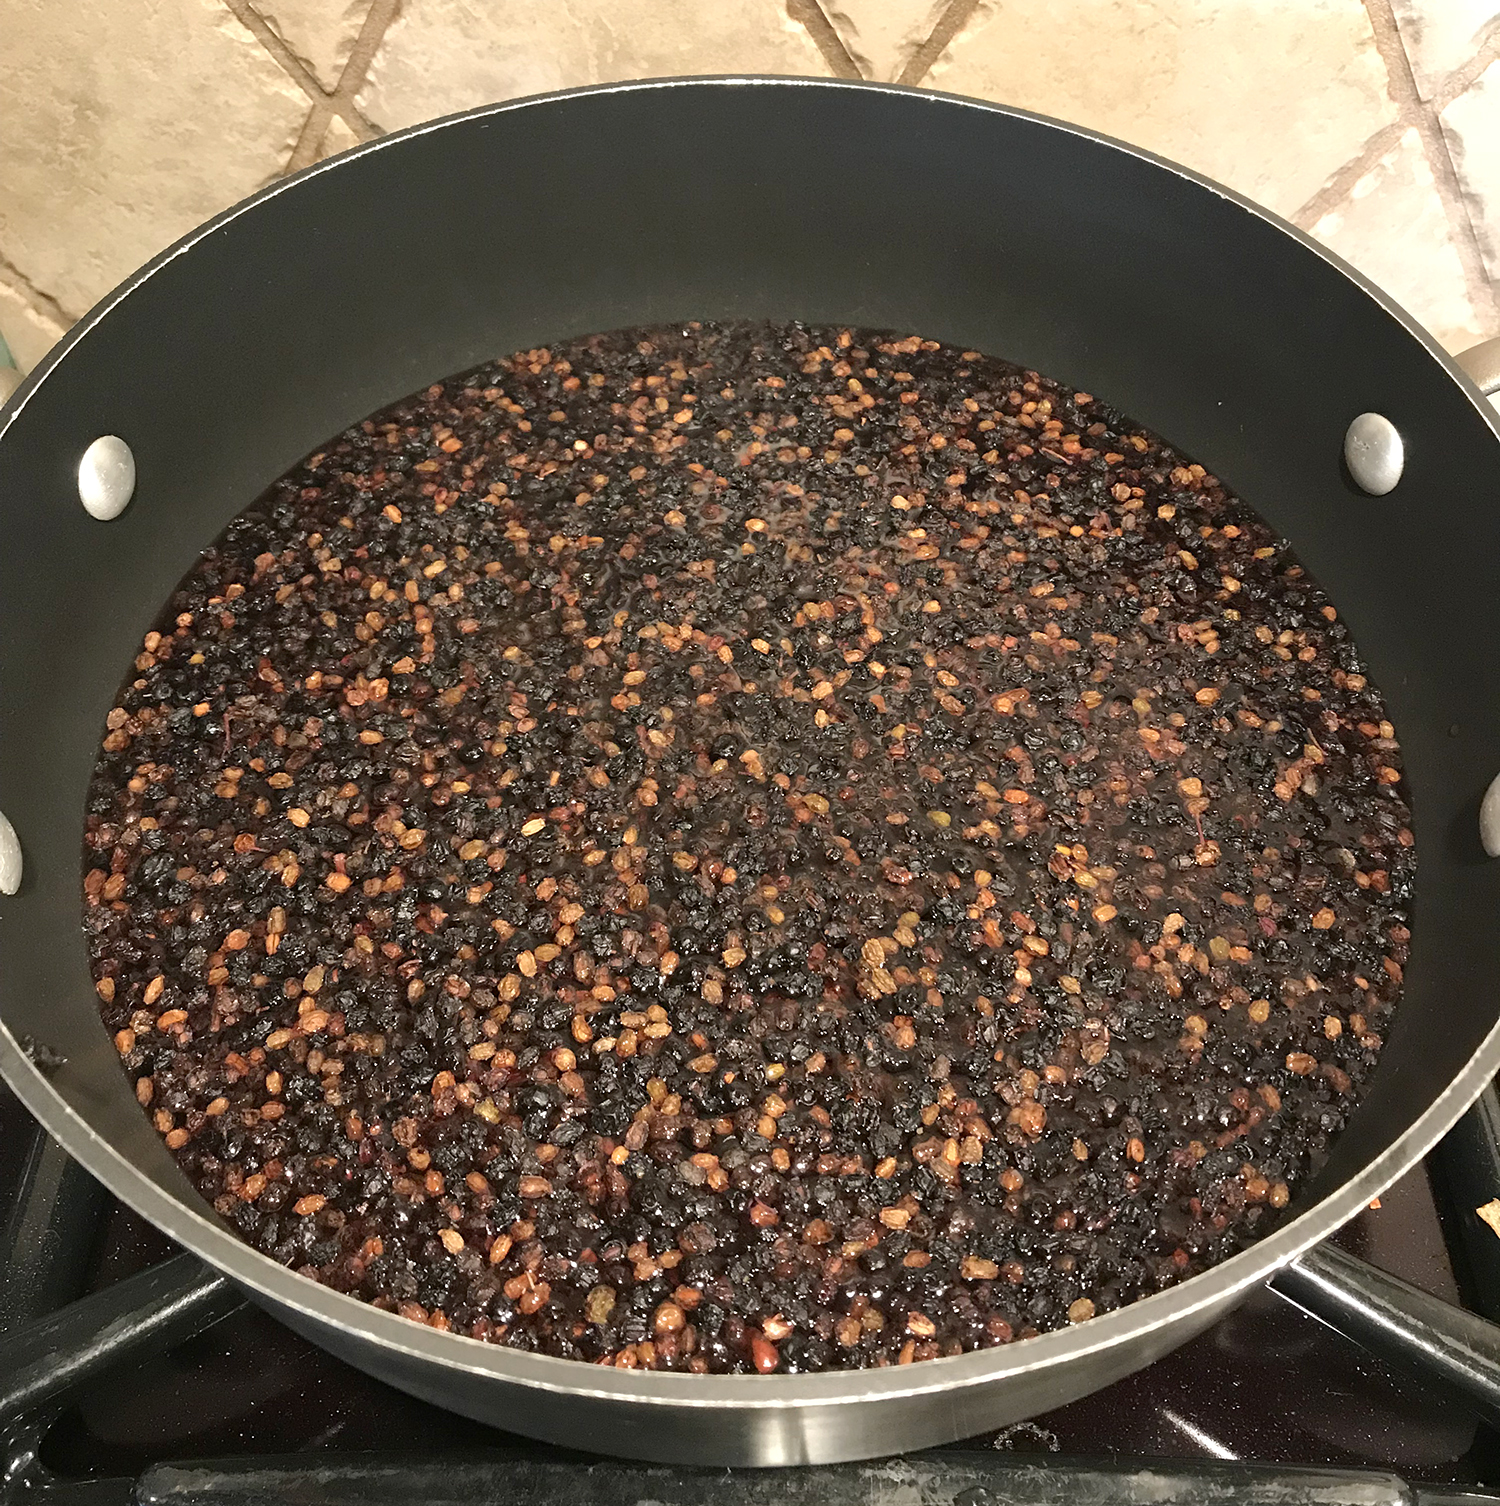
pixel 1482 363
pixel 1431 1340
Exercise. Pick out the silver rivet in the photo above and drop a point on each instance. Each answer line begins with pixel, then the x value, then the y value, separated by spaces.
pixel 1374 453
pixel 106 477
pixel 10 857
pixel 1489 818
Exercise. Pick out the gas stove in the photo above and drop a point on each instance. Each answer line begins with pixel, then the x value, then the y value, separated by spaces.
pixel 164 1386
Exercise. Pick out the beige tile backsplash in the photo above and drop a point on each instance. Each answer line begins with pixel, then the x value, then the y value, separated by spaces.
pixel 1392 225
pixel 1193 82
pixel 1372 124
pixel 1440 36
pixel 883 38
pixel 1471 124
pixel 445 55
pixel 122 125
pixel 320 34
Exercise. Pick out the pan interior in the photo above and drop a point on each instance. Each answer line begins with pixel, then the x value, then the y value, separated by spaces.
pixel 439 249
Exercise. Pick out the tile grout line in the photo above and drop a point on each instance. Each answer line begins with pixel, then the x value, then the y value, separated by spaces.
pixel 358 121
pixel 949 24
pixel 43 302
pixel 266 34
pixel 341 102
pixel 1341 182
pixel 378 21
pixel 1450 88
pixel 1466 74
pixel 1409 101
pixel 811 17
pixel 305 148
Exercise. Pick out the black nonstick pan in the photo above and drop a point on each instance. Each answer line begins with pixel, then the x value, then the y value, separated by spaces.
pixel 328 295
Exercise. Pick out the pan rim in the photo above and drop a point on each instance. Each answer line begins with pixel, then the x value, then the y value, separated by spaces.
pixel 324 1308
